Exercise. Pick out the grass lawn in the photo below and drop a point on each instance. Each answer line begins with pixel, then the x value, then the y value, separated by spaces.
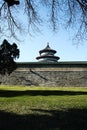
pixel 43 108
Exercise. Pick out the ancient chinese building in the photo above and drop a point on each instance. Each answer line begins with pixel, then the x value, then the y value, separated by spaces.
pixel 47 55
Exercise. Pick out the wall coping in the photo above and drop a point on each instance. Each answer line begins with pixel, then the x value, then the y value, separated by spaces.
pixel 55 63
pixel 72 64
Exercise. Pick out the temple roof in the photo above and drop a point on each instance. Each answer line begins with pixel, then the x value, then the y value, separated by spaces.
pixel 48 56
pixel 47 49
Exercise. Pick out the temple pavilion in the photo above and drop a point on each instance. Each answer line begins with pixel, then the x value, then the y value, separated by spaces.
pixel 47 55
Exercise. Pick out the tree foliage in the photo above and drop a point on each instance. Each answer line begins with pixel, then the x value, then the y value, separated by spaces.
pixel 8 53
pixel 64 12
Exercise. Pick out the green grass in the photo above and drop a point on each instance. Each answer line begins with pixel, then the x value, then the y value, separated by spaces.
pixel 43 108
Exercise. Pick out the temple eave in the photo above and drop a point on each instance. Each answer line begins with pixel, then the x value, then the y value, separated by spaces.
pixel 47 51
pixel 54 57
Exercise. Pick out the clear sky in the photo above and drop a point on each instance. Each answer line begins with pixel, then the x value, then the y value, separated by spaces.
pixel 60 41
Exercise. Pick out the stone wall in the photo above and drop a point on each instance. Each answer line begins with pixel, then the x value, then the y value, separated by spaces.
pixel 48 74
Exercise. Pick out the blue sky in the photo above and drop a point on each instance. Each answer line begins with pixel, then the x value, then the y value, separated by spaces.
pixel 61 41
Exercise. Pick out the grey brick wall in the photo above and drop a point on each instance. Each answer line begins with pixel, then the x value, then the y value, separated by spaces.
pixel 47 75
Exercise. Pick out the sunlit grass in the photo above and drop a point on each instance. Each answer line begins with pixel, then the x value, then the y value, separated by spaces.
pixel 45 101
pixel 42 99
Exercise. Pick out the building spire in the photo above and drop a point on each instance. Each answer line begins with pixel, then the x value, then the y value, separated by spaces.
pixel 47 43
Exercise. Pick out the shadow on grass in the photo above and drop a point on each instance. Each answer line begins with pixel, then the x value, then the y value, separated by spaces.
pixel 72 119
pixel 13 93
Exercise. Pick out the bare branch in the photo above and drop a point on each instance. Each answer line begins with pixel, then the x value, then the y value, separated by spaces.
pixel 11 21
pixel 1 7
pixel 64 12
pixel 32 14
